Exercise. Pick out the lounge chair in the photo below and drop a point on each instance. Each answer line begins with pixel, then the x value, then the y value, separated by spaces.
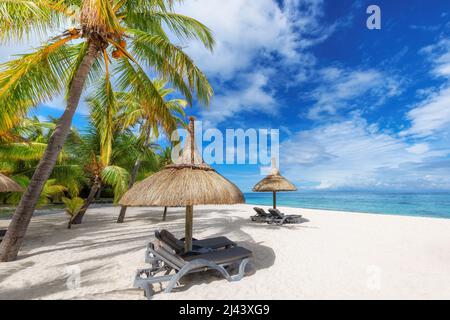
pixel 164 259
pixel 198 246
pixel 261 215
pixel 280 218
pixel 2 234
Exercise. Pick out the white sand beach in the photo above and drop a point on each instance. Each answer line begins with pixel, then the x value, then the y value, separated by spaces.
pixel 334 255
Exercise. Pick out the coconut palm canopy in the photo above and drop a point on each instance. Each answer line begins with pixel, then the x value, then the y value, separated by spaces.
pixel 9 185
pixel 183 183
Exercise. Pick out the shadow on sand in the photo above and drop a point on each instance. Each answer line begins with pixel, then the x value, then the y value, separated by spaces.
pixel 102 231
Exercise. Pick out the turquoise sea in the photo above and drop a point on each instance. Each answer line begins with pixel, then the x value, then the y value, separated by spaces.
pixel 408 204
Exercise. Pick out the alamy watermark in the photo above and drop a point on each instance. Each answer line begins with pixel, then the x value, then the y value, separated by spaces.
pixel 231 146
pixel 374 20
pixel 73 274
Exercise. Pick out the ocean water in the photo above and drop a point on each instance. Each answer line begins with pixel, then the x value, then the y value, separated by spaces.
pixel 408 204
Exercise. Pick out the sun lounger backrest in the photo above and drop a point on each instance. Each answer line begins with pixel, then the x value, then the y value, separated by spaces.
pixel 277 213
pixel 171 241
pixel 260 211
pixel 168 254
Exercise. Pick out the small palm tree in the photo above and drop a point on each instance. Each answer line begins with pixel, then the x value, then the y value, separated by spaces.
pixel 105 127
pixel 140 113
pixel 73 207
pixel 128 32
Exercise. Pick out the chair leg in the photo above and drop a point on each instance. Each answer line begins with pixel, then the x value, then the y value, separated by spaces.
pixel 241 273
pixel 148 290
pixel 200 263
pixel 146 283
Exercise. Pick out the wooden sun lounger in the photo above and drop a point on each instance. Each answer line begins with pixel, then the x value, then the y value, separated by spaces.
pixel 280 218
pixel 199 246
pixel 164 259
pixel 261 215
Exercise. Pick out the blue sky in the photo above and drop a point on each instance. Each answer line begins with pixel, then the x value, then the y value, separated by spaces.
pixel 356 108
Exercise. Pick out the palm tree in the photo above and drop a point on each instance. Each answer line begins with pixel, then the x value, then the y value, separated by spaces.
pixel 142 113
pixel 130 31
pixel 24 145
pixel 105 107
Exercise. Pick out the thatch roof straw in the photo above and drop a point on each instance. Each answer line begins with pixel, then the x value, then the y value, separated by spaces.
pixel 180 186
pixel 9 185
pixel 189 181
pixel 274 182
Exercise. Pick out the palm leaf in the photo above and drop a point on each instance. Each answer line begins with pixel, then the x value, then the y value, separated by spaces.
pixel 30 18
pixel 33 78
pixel 118 178
pixel 22 151
pixel 172 63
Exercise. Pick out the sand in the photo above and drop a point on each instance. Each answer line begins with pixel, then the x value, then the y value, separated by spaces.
pixel 332 255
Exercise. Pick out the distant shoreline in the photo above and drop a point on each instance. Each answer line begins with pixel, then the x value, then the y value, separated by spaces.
pixel 60 210
pixel 432 205
pixel 320 210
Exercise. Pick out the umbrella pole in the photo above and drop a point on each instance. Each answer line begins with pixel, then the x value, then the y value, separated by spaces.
pixel 188 229
pixel 164 214
pixel 274 200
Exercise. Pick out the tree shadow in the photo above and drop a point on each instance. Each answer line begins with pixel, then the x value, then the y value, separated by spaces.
pixel 28 291
pixel 116 241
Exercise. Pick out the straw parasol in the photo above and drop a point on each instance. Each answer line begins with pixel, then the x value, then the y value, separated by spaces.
pixel 274 182
pixel 9 185
pixel 187 182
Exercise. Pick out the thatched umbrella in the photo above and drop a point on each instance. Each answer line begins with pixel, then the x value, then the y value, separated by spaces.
pixel 274 182
pixel 9 185
pixel 187 182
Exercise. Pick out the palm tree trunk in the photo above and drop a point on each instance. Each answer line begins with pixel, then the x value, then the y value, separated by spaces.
pixel 123 209
pixel 99 193
pixel 10 246
pixel 94 189
pixel 137 166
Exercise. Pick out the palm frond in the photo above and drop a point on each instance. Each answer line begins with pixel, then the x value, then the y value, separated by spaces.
pixel 118 178
pixel 71 176
pixel 135 78
pixel 172 63
pixel 186 27
pixel 73 206
pixel 32 78
pixel 31 18
pixel 22 151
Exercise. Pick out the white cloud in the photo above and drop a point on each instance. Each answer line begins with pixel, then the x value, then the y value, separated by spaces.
pixel 253 95
pixel 439 55
pixel 432 116
pixel 419 148
pixel 339 87
pixel 355 154
pixel 250 35
pixel 246 30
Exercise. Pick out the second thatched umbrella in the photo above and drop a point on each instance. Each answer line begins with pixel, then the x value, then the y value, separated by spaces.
pixel 187 182
pixel 9 185
pixel 274 183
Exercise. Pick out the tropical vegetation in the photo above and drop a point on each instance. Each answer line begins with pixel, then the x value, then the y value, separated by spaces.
pixel 116 44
